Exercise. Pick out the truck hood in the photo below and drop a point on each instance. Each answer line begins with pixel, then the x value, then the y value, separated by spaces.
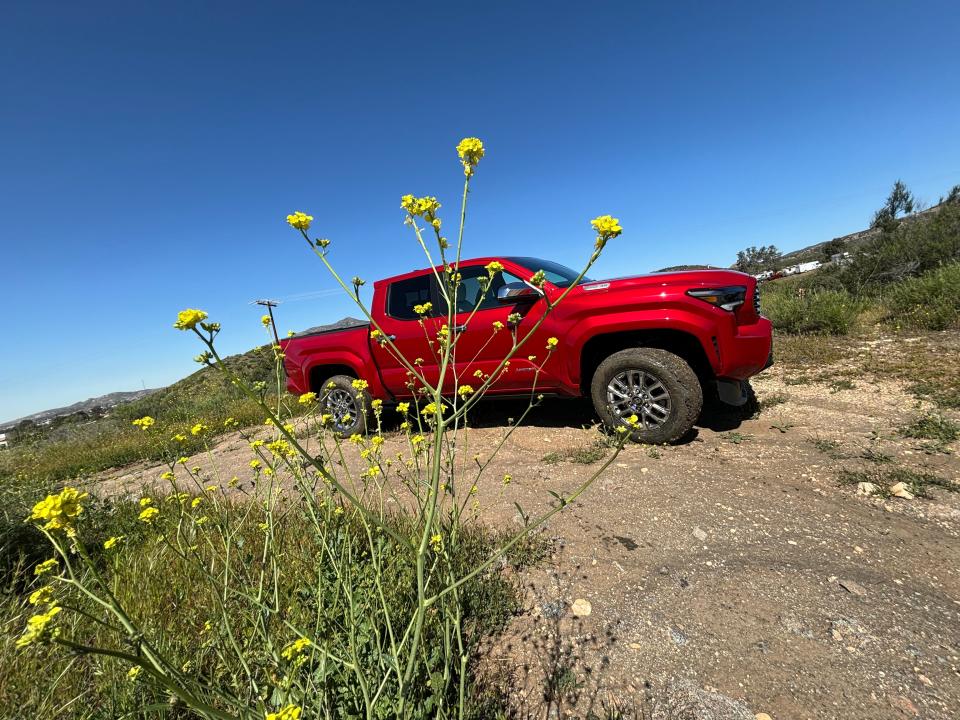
pixel 696 278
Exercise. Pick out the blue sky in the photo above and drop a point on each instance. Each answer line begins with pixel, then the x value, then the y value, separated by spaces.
pixel 150 151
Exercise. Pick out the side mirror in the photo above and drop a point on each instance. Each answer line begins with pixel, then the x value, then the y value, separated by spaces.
pixel 517 292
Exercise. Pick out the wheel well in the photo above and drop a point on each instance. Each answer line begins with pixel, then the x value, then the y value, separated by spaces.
pixel 321 373
pixel 679 343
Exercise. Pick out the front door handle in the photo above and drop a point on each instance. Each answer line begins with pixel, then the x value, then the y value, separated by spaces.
pixel 459 328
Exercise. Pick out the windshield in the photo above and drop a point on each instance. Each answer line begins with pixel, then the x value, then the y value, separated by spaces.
pixel 559 275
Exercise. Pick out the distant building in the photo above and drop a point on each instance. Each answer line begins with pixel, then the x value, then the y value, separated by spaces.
pixel 3 440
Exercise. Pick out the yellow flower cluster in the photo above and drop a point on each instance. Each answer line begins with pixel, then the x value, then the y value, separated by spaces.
pixel 148 514
pixel 111 542
pixel 299 221
pixel 198 429
pixel 425 207
pixel 470 151
pixel 465 391
pixel 307 398
pixel 43 596
pixel 359 385
pixel 607 228
pixel 423 309
pixel 290 712
pixel 59 511
pixel 265 321
pixel 145 422
pixel 46 566
pixel 493 267
pixel 295 648
pixel 538 278
pixel 189 318
pixel 436 543
pixel 37 627
pixel 552 343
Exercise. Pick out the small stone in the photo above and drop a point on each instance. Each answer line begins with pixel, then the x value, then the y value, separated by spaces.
pixel 581 607
pixel 867 488
pixel 762 716
pixel 835 634
pixel 900 490
pixel 644 470
pixel 925 680
pixel 635 646
pixel 853 587
pixel 904 706
pixel 699 534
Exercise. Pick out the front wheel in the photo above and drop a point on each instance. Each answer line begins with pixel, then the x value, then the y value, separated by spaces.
pixel 657 386
pixel 347 405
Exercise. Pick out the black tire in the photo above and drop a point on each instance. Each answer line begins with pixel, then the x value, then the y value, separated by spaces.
pixel 333 400
pixel 663 421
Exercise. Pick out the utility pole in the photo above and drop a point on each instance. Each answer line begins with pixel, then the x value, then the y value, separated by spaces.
pixel 270 305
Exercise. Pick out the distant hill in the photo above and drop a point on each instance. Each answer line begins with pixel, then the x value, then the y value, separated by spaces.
pixel 91 404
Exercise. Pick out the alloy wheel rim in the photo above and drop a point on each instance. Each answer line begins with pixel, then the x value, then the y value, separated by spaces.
pixel 341 404
pixel 637 392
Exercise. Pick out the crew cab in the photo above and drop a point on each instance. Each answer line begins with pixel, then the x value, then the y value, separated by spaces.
pixel 649 345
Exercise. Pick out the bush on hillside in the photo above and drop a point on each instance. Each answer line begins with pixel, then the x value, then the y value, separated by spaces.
pixel 928 302
pixel 827 312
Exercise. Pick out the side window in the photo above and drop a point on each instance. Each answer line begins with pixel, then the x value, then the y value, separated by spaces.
pixel 403 295
pixel 470 293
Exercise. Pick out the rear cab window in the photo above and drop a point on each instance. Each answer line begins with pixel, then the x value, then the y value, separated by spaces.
pixel 404 295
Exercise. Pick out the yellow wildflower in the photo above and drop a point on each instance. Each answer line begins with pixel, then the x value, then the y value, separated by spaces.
pixel 295 648
pixel 417 439
pixel 465 391
pixel 375 334
pixel 497 325
pixel 470 151
pixel 198 429
pixel 307 398
pixel 166 475
pixel 403 408
pixel 265 321
pixel 436 543
pixel 432 409
pixel 255 464
pixel 188 319
pixel 538 278
pixel 423 309
pixel 607 228
pixel 290 712
pixel 144 501
pixel 299 220
pixel 134 672
pixel 552 343
pixel 144 423
pixel 111 542
pixel 507 478
pixel 37 627
pixel 493 267
pixel 59 510
pixel 233 482
pixel 43 596
pixel 514 318
pixel 376 404
pixel 180 437
pixel 46 566
pixel 183 460
pixel 195 502
pixel 426 206
pixel 148 514
pixel 478 373
pixel 359 385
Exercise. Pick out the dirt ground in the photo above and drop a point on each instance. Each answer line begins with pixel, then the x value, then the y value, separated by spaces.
pixel 732 573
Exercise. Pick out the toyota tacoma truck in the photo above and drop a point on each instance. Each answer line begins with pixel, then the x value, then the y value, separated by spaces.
pixel 651 345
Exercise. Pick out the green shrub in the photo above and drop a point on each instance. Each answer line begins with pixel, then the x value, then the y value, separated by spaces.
pixel 932 427
pixel 827 312
pixel 928 302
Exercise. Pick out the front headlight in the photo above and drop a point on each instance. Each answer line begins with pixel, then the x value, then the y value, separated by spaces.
pixel 728 298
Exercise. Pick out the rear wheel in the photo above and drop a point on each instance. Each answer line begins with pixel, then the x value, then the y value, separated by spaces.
pixel 347 405
pixel 657 386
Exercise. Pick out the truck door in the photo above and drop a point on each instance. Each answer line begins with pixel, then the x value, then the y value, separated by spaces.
pixel 409 331
pixel 481 347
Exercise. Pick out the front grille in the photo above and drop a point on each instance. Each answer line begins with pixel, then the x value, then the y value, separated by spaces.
pixel 756 298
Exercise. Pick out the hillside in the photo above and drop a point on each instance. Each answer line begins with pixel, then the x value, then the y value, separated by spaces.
pixel 91 405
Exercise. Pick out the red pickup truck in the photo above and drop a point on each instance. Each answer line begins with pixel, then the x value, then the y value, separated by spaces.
pixel 649 345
